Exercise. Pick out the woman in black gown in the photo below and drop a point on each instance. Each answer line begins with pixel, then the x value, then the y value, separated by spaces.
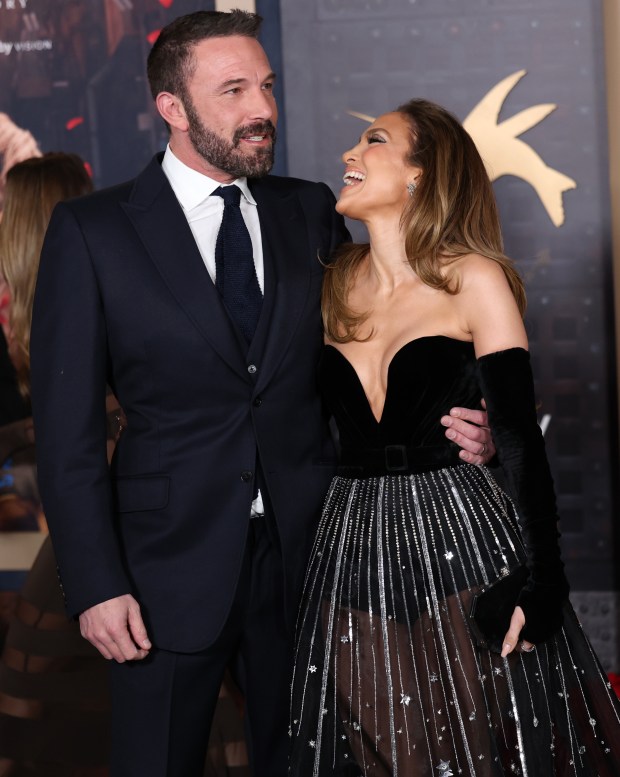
pixel 392 676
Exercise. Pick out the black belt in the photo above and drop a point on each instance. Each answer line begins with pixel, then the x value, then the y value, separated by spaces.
pixel 396 460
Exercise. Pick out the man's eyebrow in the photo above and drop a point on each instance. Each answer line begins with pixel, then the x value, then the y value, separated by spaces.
pixel 239 81
pixel 232 82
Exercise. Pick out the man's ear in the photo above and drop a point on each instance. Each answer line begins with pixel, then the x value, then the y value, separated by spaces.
pixel 172 111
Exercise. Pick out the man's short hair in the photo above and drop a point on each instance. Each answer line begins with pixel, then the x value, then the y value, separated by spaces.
pixel 171 62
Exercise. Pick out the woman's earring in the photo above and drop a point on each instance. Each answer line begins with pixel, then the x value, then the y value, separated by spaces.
pixel 411 187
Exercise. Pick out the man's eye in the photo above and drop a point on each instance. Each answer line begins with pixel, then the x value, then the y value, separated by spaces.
pixel 234 90
pixel 268 87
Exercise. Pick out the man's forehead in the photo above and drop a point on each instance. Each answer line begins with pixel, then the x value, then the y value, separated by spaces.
pixel 222 56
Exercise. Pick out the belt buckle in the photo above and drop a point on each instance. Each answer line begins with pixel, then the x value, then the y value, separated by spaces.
pixel 396 458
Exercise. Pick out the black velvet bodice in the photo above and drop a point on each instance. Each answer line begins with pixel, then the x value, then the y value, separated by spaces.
pixel 426 378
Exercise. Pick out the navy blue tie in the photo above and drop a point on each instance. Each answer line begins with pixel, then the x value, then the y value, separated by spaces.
pixel 235 273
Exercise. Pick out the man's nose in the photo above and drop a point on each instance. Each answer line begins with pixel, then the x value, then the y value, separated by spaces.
pixel 263 106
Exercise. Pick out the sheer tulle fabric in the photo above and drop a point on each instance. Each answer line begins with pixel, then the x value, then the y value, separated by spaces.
pixel 387 678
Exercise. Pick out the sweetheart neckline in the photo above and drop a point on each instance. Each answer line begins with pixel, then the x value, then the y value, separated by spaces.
pixel 379 420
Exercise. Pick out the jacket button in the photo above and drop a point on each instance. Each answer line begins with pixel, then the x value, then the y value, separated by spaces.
pixel 246 475
pixel 258 402
pixel 251 369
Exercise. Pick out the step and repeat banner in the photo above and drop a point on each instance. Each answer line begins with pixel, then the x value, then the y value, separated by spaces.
pixel 526 78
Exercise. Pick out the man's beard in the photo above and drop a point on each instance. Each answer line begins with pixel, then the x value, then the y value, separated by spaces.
pixel 228 157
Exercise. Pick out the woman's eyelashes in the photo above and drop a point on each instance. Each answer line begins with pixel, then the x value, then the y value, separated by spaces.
pixel 374 139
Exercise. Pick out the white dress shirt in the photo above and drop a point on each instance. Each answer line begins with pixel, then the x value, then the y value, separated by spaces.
pixel 193 190
pixel 204 213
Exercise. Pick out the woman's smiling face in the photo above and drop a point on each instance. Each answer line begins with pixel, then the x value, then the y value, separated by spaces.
pixel 377 171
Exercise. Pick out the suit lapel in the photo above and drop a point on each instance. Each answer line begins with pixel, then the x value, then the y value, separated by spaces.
pixel 284 237
pixel 161 224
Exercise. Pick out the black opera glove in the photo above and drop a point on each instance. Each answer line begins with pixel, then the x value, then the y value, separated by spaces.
pixel 507 385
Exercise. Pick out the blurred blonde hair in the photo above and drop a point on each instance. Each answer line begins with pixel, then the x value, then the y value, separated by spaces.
pixel 33 188
pixel 451 214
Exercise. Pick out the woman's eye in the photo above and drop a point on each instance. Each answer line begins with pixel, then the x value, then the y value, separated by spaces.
pixel 375 139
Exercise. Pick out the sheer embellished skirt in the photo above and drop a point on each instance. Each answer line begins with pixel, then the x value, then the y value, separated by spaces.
pixel 388 680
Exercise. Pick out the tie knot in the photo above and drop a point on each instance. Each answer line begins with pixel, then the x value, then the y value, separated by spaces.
pixel 230 194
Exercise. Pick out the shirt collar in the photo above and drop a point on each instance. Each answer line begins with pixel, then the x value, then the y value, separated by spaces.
pixel 191 187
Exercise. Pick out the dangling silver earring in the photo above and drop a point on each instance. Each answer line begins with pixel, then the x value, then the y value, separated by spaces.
pixel 411 187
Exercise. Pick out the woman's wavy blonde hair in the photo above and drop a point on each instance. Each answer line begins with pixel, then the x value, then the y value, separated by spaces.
pixel 452 213
pixel 33 188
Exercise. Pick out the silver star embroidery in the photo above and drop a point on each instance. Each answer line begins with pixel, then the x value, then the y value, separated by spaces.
pixel 497 671
pixel 472 716
pixel 344 640
pixel 405 699
pixel 449 555
pixel 312 669
pixel 444 769
pixel 312 743
pixel 433 678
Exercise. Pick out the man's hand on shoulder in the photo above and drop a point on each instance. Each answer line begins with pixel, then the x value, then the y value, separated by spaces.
pixel 469 429
pixel 115 627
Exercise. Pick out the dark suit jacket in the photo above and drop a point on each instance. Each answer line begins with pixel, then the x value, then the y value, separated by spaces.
pixel 123 297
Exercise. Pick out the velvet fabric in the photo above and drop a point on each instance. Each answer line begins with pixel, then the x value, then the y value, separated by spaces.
pixel 389 678
pixel 508 387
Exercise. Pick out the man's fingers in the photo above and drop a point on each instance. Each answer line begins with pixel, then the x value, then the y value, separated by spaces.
pixel 137 629
pixel 478 417
pixel 457 430
pixel 472 440
pixel 107 626
pixel 467 429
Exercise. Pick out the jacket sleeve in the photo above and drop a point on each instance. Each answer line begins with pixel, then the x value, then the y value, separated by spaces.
pixel 507 385
pixel 68 371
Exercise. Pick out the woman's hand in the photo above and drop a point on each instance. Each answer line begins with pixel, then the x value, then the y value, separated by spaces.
pixel 511 640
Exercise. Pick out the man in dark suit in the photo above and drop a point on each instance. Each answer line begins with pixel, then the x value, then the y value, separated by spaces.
pixel 188 553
